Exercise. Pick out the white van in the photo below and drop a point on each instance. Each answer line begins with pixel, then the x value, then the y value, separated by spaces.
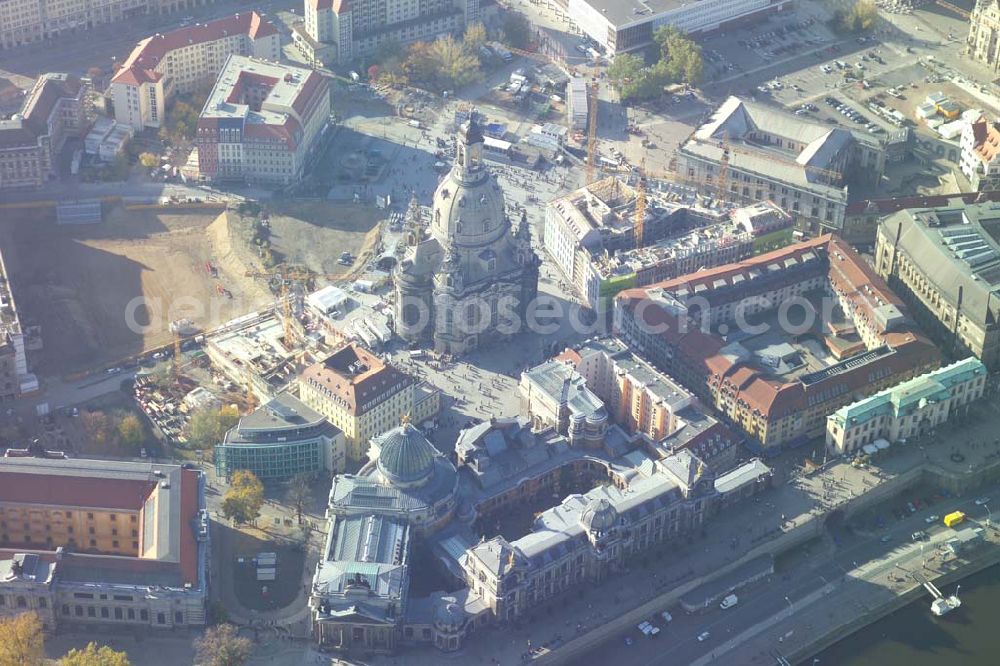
pixel 729 602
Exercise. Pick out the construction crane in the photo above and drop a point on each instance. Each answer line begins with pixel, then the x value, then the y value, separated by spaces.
pixel 177 355
pixel 640 207
pixel 592 104
pixel 721 192
pixel 289 276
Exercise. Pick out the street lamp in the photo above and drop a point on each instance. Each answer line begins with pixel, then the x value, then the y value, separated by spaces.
pixel 790 605
pixel 989 514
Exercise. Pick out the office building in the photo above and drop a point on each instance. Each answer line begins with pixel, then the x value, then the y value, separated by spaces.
pixel 910 409
pixel 57 107
pixel 262 123
pixel 280 440
pixel 756 152
pixel 185 60
pixel 337 32
pixel 96 542
pixel 626 25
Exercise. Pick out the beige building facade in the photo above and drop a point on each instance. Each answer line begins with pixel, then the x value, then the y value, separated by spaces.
pixel 184 60
pixel 912 408
pixel 983 43
pixel 26 21
pixel 363 396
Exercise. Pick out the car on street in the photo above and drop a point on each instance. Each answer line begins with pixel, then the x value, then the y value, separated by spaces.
pixel 112 371
pixel 982 500
pixel 703 636
pixel 919 535
pixel 628 640
pixel 667 617
pixel 932 519
pixel 886 538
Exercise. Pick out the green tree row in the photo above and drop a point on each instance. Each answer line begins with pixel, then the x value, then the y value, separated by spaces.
pixel 679 60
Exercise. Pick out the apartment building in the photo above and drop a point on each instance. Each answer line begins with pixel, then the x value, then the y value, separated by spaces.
pixel 364 396
pixel 912 408
pixel 27 21
pixel 102 542
pixel 945 262
pixel 801 165
pixel 983 44
pixel 340 31
pixel 777 376
pixel 980 147
pixel 57 107
pixel 262 122
pixel 184 60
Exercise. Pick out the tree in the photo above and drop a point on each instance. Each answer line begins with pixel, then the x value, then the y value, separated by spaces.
pixel 99 429
pixel 221 645
pixel 131 432
pixel 456 64
pixel 245 497
pixel 299 492
pixel 859 18
pixel 94 655
pixel 21 640
pixel 474 37
pixel 681 56
pixel 149 160
pixel 516 30
pixel 208 426
pixel 443 63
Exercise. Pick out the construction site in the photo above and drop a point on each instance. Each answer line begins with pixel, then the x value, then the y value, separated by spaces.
pixel 106 292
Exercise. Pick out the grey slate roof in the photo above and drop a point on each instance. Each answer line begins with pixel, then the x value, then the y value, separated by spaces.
pixel 956 247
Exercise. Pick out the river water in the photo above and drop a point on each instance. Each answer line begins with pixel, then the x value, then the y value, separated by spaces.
pixel 912 636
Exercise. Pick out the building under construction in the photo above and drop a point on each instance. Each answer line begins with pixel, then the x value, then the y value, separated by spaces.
pixel 13 342
pixel 598 222
pixel 748 152
pixel 253 352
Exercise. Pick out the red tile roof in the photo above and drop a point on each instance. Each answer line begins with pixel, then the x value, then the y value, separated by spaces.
pixel 74 491
pixel 189 514
pixel 140 65
pixel 848 273
pixel 887 206
pixel 361 390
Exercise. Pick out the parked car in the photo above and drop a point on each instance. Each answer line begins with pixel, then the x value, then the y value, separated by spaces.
pixel 982 500
pixel 703 636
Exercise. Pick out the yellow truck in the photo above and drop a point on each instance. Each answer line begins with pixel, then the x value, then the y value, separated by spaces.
pixel 954 518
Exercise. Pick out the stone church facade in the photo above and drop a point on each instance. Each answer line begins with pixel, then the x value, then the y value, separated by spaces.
pixel 467 278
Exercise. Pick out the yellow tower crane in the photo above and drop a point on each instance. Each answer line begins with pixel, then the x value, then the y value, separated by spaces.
pixel 640 207
pixel 592 104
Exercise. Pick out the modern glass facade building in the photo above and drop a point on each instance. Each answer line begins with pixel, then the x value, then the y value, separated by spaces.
pixel 281 439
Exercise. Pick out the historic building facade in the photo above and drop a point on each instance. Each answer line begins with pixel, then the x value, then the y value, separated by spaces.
pixel 469 280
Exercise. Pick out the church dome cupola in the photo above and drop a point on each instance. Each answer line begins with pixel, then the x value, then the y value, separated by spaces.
pixel 598 517
pixel 405 456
